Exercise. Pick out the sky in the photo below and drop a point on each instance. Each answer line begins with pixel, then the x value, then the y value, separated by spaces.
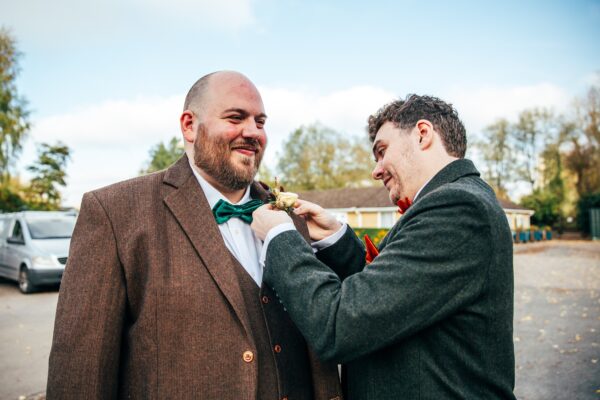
pixel 109 78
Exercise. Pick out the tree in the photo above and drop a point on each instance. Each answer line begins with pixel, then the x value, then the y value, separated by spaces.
pixel 12 196
pixel 13 113
pixel 315 158
pixel 162 156
pixel 533 130
pixel 265 174
pixel 49 172
pixel 498 155
pixel 583 157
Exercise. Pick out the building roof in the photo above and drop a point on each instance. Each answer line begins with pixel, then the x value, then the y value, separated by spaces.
pixel 349 197
pixel 509 205
pixel 367 197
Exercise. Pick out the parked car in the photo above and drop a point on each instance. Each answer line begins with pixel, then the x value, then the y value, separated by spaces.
pixel 34 247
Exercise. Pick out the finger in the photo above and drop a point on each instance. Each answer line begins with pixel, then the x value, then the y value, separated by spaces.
pixel 309 209
pixel 302 209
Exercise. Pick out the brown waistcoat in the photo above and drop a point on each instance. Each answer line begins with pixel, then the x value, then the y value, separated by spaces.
pixel 283 365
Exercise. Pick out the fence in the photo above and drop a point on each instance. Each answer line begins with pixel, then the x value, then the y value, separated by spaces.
pixel 595 223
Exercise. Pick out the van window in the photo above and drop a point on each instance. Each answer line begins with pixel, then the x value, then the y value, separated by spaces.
pixel 55 228
pixel 17 232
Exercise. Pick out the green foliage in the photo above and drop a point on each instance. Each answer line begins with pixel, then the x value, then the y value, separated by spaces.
pixel 583 210
pixel 49 173
pixel 163 156
pixel 546 205
pixel 11 201
pixel 317 158
pixel 265 175
pixel 13 113
pixel 376 234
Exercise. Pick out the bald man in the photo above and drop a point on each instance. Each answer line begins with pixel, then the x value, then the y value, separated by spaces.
pixel 162 295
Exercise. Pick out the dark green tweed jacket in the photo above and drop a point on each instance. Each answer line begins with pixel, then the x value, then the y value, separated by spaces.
pixel 431 317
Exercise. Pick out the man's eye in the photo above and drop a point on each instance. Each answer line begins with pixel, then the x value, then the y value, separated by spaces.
pixel 235 117
pixel 260 123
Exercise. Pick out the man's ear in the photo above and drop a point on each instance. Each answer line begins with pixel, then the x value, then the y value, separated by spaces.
pixel 425 132
pixel 186 123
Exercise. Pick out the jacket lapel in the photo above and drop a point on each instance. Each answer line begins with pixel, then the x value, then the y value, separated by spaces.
pixel 191 209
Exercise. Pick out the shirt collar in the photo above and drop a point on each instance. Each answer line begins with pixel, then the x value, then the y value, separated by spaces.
pixel 212 194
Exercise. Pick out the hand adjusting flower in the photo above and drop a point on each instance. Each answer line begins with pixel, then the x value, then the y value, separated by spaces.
pixel 282 200
pixel 223 211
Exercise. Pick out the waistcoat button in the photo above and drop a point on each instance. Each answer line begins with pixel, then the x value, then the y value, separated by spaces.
pixel 248 356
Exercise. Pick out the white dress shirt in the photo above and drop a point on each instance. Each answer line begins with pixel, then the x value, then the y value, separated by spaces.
pixel 237 235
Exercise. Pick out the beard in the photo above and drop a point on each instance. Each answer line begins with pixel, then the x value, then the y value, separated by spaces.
pixel 213 156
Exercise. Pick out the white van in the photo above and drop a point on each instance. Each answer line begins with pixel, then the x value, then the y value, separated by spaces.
pixel 34 246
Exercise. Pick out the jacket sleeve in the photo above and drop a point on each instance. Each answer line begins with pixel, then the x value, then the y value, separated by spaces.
pixel 84 359
pixel 346 256
pixel 432 266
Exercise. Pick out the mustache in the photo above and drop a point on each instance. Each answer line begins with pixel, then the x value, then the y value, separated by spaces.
pixel 247 144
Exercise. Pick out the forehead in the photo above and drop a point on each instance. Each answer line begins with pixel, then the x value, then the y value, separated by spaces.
pixel 388 133
pixel 233 91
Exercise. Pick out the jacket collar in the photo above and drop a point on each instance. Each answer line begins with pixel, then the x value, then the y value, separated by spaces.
pixel 450 173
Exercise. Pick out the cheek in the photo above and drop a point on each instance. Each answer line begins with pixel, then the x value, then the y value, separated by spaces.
pixel 262 139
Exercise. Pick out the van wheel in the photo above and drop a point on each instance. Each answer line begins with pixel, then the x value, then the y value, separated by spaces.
pixel 25 285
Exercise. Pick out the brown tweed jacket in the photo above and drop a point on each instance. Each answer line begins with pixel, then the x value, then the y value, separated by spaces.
pixel 149 305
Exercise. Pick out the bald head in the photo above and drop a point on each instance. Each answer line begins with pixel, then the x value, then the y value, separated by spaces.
pixel 198 93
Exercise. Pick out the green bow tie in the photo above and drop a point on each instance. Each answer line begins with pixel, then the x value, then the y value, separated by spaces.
pixel 224 210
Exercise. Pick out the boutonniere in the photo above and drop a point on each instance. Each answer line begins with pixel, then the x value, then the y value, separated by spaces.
pixel 403 205
pixel 280 199
pixel 372 251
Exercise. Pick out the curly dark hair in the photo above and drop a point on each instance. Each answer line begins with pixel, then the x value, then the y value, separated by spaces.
pixel 405 114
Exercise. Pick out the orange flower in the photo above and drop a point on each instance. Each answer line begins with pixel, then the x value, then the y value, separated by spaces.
pixel 372 251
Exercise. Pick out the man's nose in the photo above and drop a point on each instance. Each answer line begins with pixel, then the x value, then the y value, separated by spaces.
pixel 252 131
pixel 377 172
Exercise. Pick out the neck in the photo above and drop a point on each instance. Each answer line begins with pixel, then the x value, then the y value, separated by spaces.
pixel 233 195
pixel 431 168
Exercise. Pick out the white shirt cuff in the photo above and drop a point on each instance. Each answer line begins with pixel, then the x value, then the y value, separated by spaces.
pixel 329 240
pixel 288 226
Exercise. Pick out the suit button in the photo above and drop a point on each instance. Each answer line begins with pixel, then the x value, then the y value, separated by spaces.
pixel 248 356
pixel 264 299
pixel 277 348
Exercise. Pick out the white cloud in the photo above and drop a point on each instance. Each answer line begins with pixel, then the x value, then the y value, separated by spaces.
pixel 126 122
pixel 479 107
pixel 345 111
pixel 110 141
